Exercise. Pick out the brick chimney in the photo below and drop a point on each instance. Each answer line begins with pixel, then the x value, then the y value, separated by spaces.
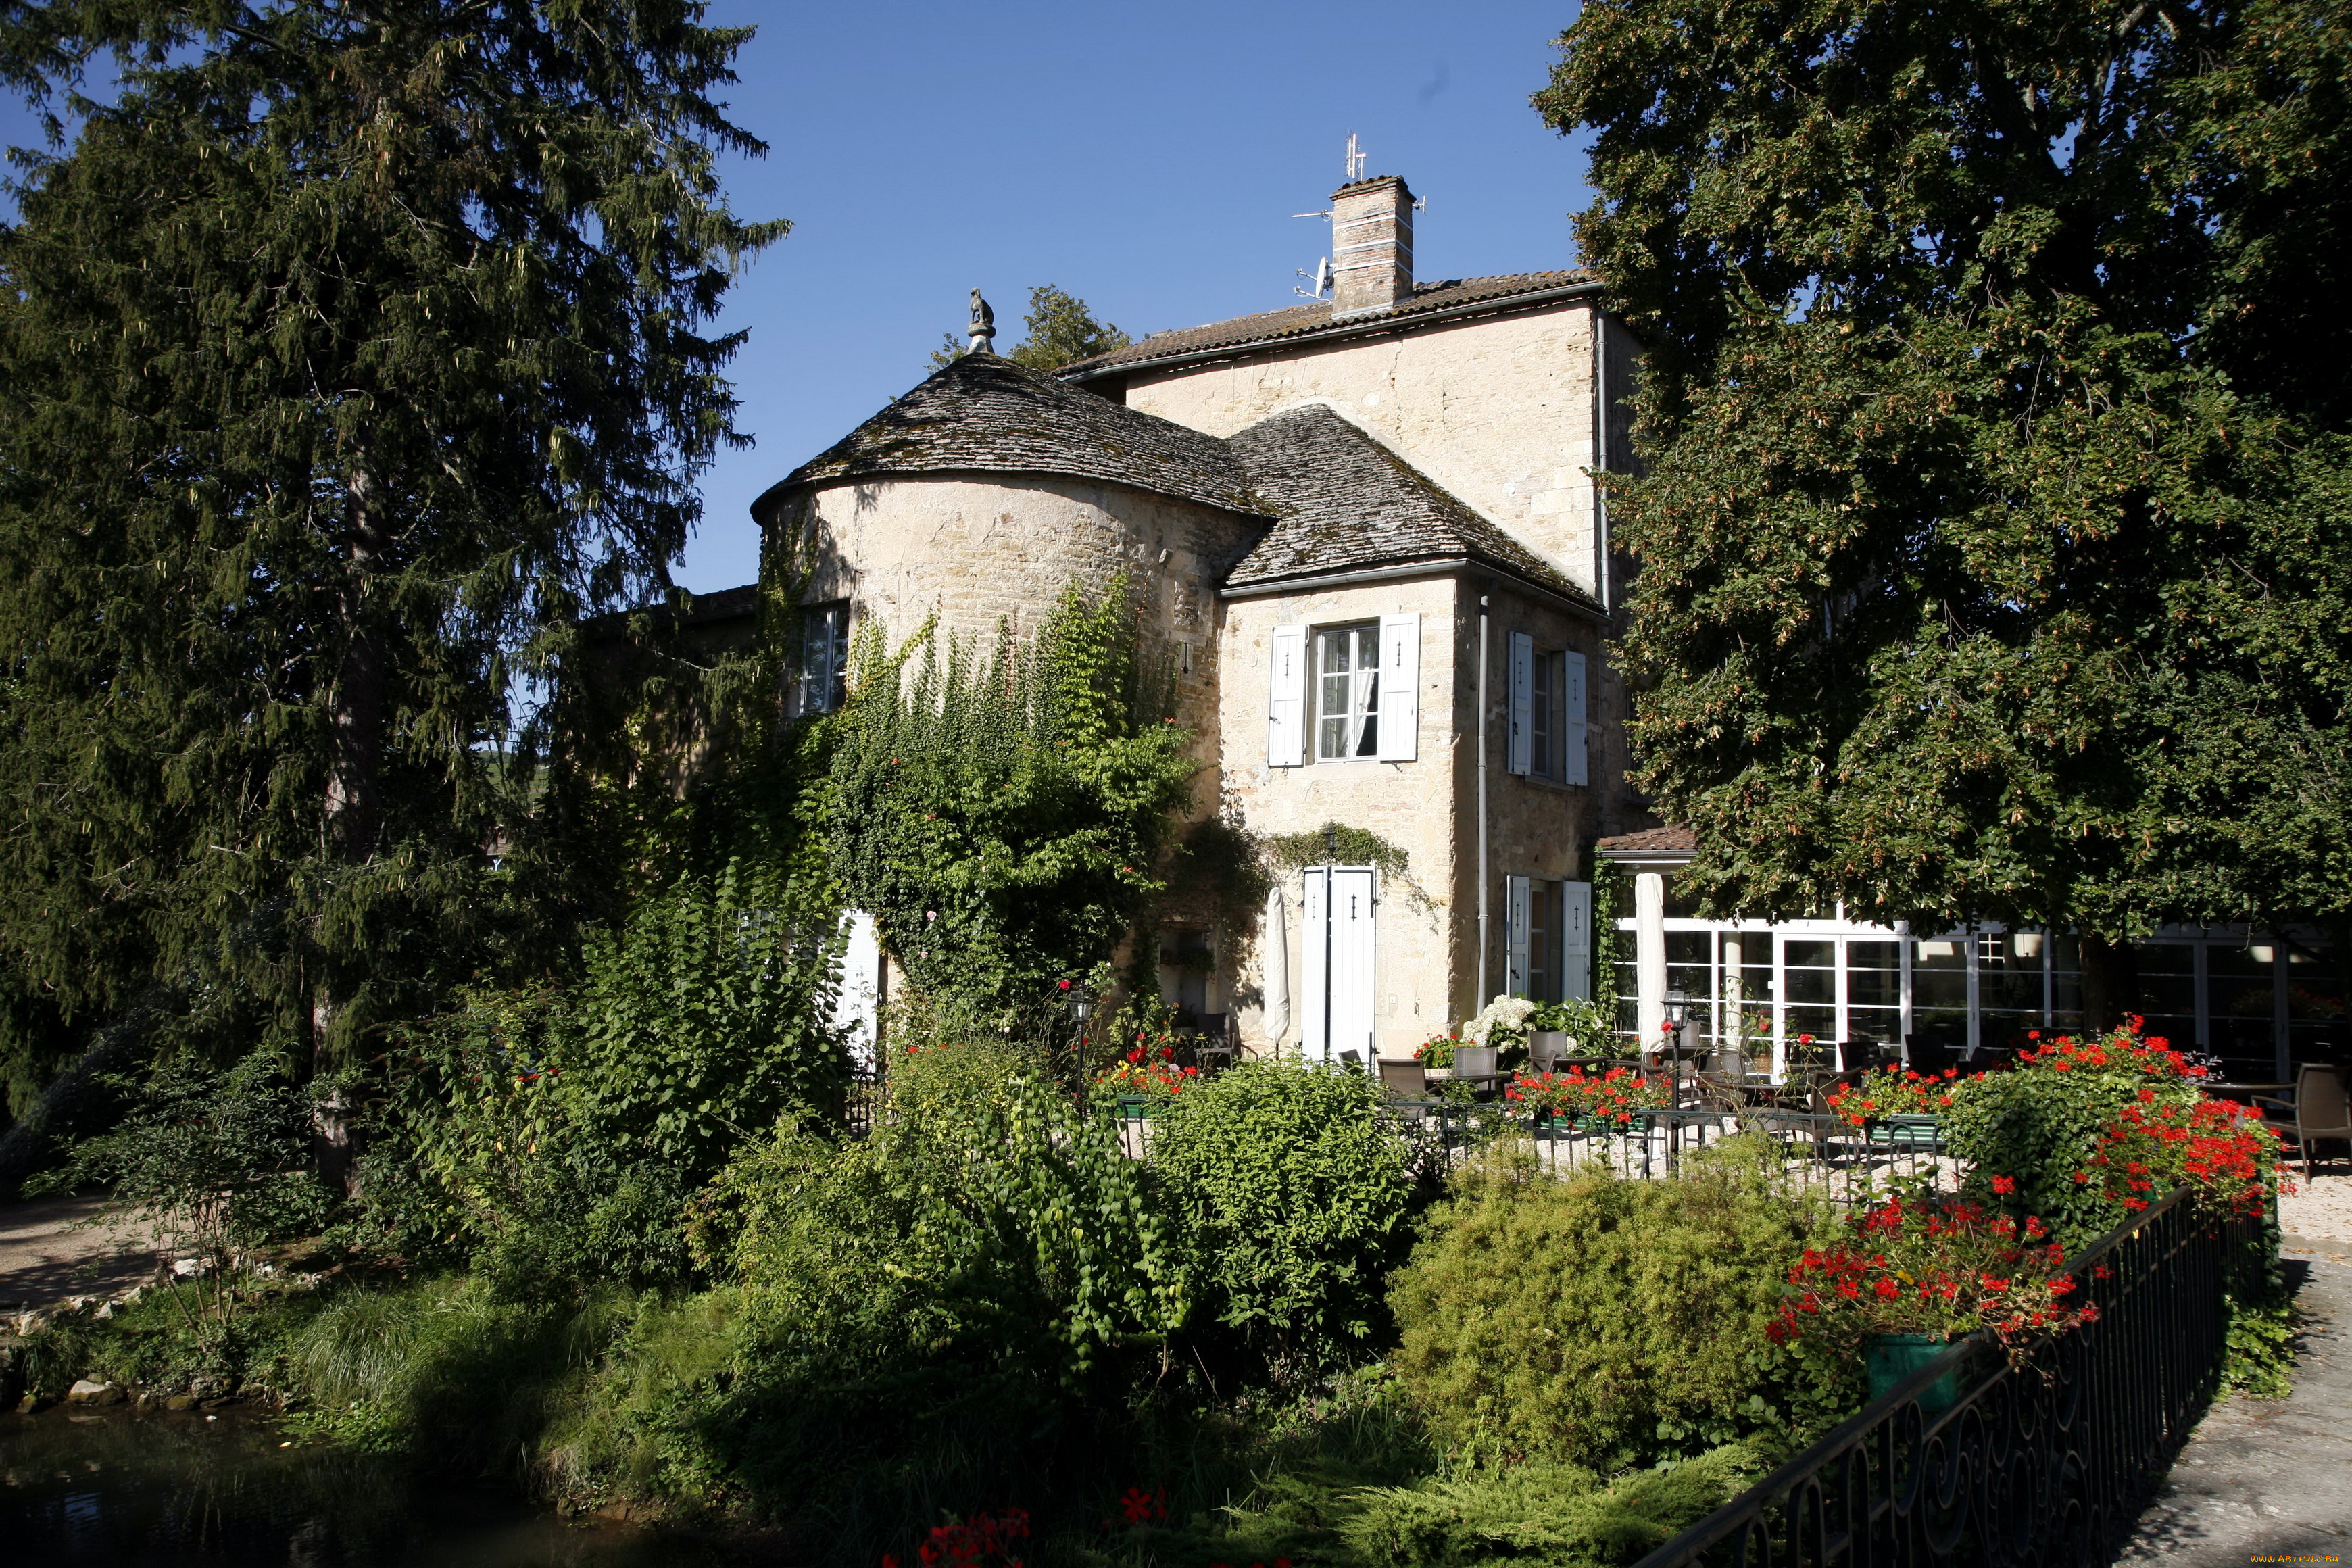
pixel 1371 245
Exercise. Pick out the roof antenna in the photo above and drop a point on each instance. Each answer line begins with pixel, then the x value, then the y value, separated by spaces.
pixel 1355 159
pixel 1322 279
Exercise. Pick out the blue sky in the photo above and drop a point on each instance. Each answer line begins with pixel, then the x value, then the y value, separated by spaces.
pixel 1145 158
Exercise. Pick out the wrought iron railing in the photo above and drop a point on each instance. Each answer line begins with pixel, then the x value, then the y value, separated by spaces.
pixel 1853 1162
pixel 865 1097
pixel 2045 1462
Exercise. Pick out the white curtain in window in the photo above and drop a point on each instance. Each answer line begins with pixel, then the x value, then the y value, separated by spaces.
pixel 1362 686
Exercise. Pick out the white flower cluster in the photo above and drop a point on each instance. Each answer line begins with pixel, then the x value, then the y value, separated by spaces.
pixel 1503 1019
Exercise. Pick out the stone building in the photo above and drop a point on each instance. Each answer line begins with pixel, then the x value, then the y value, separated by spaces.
pixel 1367 536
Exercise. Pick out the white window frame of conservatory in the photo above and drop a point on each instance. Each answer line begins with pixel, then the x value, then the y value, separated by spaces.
pixel 2202 940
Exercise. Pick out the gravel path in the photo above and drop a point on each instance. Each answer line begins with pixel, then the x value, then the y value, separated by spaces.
pixel 2263 1479
pixel 46 1255
pixel 2320 1207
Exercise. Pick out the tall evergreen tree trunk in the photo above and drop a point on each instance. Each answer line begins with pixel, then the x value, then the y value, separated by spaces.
pixel 354 793
pixel 355 784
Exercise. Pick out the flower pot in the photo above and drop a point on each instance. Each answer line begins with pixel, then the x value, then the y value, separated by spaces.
pixel 1891 1358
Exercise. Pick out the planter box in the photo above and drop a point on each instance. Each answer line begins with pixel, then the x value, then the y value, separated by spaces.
pixel 1891 1358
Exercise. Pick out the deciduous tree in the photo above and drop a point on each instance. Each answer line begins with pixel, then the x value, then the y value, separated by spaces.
pixel 1996 500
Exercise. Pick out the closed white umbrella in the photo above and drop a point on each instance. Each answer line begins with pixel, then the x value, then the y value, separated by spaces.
pixel 1273 957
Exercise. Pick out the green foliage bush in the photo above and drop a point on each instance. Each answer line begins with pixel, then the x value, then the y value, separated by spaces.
pixel 703 1018
pixel 214 1164
pixel 1343 1475
pixel 1295 1201
pixel 1607 1322
pixel 997 1229
pixel 555 1136
pixel 986 1261
pixel 1557 1515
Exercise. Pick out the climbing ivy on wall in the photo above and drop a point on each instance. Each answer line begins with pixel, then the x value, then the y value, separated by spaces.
pixel 1001 810
pixel 1345 845
pixel 1612 900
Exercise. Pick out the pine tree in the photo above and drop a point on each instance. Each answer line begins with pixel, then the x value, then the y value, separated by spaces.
pixel 1062 331
pixel 1997 475
pixel 355 353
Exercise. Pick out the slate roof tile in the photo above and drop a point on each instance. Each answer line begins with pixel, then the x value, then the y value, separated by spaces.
pixel 1345 502
pixel 1653 841
pixel 983 414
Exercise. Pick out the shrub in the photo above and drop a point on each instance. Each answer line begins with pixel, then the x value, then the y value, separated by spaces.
pixel 1002 1231
pixel 1561 1516
pixel 701 1021
pixel 1295 1201
pixel 553 1137
pixel 215 1164
pixel 1608 1323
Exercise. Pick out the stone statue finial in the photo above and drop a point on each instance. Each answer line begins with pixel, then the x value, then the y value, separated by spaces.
pixel 983 326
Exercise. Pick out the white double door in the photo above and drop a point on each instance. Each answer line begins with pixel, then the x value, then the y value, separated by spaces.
pixel 1335 945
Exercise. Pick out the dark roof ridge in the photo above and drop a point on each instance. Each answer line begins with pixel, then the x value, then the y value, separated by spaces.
pixel 1434 300
pixel 981 413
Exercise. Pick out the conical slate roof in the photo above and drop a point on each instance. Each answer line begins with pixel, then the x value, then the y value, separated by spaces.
pixel 983 414
pixel 1345 502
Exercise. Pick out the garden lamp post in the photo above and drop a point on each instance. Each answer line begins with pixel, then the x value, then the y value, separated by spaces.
pixel 1677 1014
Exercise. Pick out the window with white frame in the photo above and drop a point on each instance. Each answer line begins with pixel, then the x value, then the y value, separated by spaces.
pixel 1347 692
pixel 821 680
pixel 1548 712
pixel 1344 693
pixel 1548 676
pixel 1549 939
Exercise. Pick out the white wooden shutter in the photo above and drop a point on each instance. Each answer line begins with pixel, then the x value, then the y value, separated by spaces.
pixel 1314 948
pixel 1576 772
pixel 1400 688
pixel 1514 936
pixel 1576 939
pixel 1286 709
pixel 1523 678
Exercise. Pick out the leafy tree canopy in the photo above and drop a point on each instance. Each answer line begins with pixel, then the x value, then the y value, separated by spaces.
pixel 1996 495
pixel 355 352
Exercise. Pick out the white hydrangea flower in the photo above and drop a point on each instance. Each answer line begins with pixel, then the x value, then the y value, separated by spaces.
pixel 1505 1015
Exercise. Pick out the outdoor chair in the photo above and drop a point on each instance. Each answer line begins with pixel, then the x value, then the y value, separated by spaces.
pixel 1546 1049
pixel 2319 1110
pixel 1405 1080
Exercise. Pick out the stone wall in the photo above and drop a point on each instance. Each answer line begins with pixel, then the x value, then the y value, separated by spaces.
pixel 1412 806
pixel 977 550
pixel 1426 942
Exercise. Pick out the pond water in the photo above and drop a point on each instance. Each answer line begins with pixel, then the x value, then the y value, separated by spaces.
pixel 177 1490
